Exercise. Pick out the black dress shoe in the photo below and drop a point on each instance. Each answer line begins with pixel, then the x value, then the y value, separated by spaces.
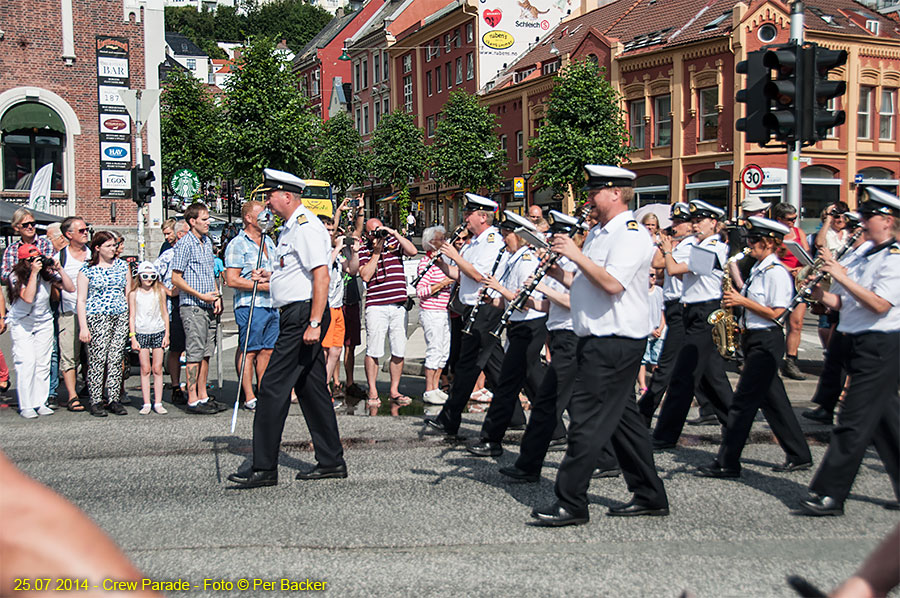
pixel 434 427
pixel 703 420
pixel 254 479
pixel 117 408
pixel 558 444
pixel 714 470
pixel 634 509
pixel 819 415
pixel 485 448
pixel 606 473
pixel 323 473
pixel 789 466
pixel 200 409
pixel 97 410
pixel 520 475
pixel 556 516
pixel 821 506
pixel 661 445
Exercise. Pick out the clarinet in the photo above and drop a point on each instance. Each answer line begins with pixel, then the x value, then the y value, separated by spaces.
pixel 437 255
pixel 518 302
pixel 480 299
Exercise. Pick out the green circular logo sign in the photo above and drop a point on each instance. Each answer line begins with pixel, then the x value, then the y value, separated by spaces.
pixel 185 183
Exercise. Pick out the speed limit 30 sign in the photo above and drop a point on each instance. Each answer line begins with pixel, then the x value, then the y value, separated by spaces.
pixel 752 177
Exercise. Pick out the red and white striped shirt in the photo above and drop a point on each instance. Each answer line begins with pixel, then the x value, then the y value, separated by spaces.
pixel 388 285
pixel 438 301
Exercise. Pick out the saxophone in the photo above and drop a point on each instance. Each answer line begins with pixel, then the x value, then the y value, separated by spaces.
pixel 726 332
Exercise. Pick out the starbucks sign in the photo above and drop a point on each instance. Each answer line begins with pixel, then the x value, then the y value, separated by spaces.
pixel 185 183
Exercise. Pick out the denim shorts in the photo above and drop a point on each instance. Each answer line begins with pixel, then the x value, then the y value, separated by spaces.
pixel 653 351
pixel 263 329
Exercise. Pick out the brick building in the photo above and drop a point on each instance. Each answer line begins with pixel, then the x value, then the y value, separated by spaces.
pixel 59 102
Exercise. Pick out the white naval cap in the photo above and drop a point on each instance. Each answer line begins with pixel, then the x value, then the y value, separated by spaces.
pixel 879 202
pixel 754 204
pixel 512 221
pixel 281 181
pixel 478 202
pixel 701 209
pixel 756 225
pixel 607 176
pixel 562 223
pixel 680 211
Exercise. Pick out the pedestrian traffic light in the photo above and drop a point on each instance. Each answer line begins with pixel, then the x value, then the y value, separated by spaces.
pixel 142 178
pixel 754 98
pixel 819 90
pixel 785 115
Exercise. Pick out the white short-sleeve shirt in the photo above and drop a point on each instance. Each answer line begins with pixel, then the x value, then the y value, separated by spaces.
pixel 559 317
pixel 482 253
pixel 706 287
pixel 673 285
pixel 519 267
pixel 770 284
pixel 303 245
pixel 876 268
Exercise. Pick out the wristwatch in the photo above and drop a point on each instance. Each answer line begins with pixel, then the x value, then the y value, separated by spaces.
pixel 314 324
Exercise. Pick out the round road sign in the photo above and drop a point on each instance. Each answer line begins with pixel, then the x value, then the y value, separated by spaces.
pixel 752 177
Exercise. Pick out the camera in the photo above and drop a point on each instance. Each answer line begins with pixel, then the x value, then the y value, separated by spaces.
pixel 381 233
pixel 354 203
pixel 46 262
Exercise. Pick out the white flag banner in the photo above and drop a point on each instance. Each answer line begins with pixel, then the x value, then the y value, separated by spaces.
pixel 39 199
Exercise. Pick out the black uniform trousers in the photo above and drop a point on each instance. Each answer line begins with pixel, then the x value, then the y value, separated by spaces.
pixel 698 361
pixel 478 351
pixel 552 399
pixel 603 409
pixel 296 365
pixel 831 380
pixel 761 387
pixel 870 414
pixel 659 382
pixel 521 368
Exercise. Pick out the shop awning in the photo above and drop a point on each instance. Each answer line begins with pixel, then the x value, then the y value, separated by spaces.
pixel 389 198
pixel 31 115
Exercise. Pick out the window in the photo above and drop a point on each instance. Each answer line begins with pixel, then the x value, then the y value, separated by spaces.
pixel 437 47
pixel 831 106
pixel 636 123
pixel 376 66
pixel 385 73
pixel 459 71
pixel 862 114
pixel 356 77
pixel 662 108
pixel 709 115
pixel 550 67
pixel 386 105
pixel 470 33
pixel 457 39
pixel 428 83
pixel 504 143
pixel 191 64
pixel 377 114
pixel 886 114
pixel 446 43
pixel 873 26
pixel 470 66
pixel 407 93
pixel 437 76
pixel 365 73
pixel 33 135
pixel 407 63
pixel 315 83
pixel 449 76
pixel 358 120
pixel 429 127
pixel 520 146
pixel 365 120
pixel 523 74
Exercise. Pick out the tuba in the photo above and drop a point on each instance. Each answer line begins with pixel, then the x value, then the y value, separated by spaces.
pixel 725 332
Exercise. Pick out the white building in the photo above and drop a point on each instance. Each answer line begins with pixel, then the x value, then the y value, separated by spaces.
pixel 188 55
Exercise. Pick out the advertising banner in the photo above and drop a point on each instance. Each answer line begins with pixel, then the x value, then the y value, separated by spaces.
pixel 115 125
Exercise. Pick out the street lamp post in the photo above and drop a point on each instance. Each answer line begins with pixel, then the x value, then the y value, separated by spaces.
pixel 526 176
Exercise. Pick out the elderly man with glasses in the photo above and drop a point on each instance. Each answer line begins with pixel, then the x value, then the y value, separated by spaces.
pixel 23 224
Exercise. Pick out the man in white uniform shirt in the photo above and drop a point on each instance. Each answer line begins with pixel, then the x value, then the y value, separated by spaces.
pixel 298 286
pixel 610 314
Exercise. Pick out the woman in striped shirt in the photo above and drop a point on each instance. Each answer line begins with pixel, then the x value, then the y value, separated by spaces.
pixel 434 294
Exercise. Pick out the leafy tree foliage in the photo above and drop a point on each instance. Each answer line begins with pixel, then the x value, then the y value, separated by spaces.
pixel 340 159
pixel 466 150
pixel 188 124
pixel 267 124
pixel 399 154
pixel 583 125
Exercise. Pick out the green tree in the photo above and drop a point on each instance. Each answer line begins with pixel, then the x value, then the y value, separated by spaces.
pixel 188 125
pixel 340 158
pixel 399 154
pixel 267 124
pixel 466 150
pixel 583 125
pixel 295 21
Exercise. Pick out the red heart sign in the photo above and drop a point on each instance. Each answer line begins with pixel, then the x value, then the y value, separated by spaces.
pixel 492 17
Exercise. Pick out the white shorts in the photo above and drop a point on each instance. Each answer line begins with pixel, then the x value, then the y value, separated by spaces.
pixel 436 326
pixel 385 320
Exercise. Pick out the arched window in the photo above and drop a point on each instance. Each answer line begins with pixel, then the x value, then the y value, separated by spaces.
pixel 651 188
pixel 879 177
pixel 712 186
pixel 33 135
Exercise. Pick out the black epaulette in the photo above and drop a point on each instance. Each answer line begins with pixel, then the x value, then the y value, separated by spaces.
pixel 631 225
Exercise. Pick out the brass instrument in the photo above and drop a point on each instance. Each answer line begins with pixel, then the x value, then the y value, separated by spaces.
pixel 434 258
pixel 726 331
pixel 805 287
pixel 479 301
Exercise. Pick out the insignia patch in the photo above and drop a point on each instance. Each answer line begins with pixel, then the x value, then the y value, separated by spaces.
pixel 526 257
pixel 490 238
pixel 894 250
pixel 713 241
pixel 301 219
pixel 631 225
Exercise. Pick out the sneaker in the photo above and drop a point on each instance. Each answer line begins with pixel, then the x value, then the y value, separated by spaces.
pixel 145 409
pixel 28 413
pixel 178 397
pixel 201 408
pixel 44 410
pixel 53 402
pixel 791 370
pixel 434 397
pixel 249 405
pixel 442 394
pixel 158 407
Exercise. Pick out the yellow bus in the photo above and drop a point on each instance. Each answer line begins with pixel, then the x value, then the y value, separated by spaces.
pixel 317 197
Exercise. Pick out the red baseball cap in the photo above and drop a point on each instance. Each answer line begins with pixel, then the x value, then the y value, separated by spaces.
pixel 27 250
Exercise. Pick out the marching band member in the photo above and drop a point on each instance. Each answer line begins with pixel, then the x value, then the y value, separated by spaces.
pixel 867 293
pixel 610 315
pixel 698 361
pixel 764 296
pixel 526 334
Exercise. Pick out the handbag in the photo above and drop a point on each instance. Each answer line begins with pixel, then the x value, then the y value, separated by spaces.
pixel 456 305
pixel 410 303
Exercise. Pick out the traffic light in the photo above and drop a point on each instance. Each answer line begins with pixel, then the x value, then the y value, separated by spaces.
pixel 757 104
pixel 818 90
pixel 142 178
pixel 785 116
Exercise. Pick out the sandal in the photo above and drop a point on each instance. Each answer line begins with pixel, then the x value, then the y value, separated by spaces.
pixel 401 400
pixel 157 407
pixel 338 392
pixel 482 396
pixel 75 404
pixel 372 405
